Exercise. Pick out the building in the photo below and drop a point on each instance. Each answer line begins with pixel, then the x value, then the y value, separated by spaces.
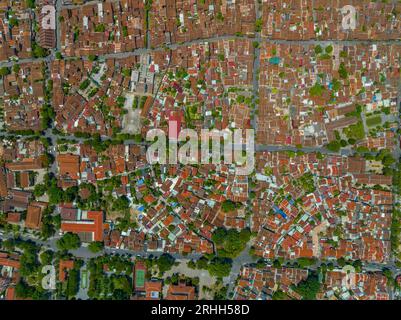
pixel 64 266
pixel 153 290
pixel 180 292
pixel 90 228
pixel 34 215
pixel 68 166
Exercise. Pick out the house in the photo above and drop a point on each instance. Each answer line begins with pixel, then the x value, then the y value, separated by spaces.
pixel 90 228
pixel 180 292
pixel 68 166
pixel 14 217
pixel 34 215
pixel 25 164
pixel 153 290
pixel 47 36
pixel 64 266
pixel 8 260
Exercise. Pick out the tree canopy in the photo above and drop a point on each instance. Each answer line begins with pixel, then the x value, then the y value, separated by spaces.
pixel 231 242
pixel 69 241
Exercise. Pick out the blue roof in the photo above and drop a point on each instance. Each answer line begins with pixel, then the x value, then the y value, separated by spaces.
pixel 279 211
pixel 141 208
pixel 274 60
pixel 140 182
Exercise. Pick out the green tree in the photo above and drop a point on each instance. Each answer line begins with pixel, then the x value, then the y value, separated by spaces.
pixel 122 203
pixel 165 262
pixel 228 206
pixel 220 267
pixel 308 288
pixel 46 257
pixel 316 90
pixel 69 241
pixel 72 283
pixel 31 4
pixel 334 146
pixel 39 190
pixel 4 71
pixel 329 49
pixel 342 71
pixel 96 246
pixel 318 49
pixel 341 262
pixel 230 243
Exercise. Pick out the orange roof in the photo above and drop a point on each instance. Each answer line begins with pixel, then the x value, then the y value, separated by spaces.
pixel 13 217
pixel 68 165
pixel 25 164
pixel 124 180
pixel 180 292
pixel 151 287
pixel 10 293
pixel 149 198
pixel 99 172
pixel 24 179
pixel 9 263
pixel 96 226
pixel 34 216
pixel 120 165
pixel 65 265
pixel 168 220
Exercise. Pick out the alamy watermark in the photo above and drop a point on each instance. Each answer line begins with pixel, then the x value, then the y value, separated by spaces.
pixel 49 280
pixel 48 15
pixel 216 147
pixel 349 17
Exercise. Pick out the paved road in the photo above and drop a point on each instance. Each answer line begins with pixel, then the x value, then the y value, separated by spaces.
pixel 244 258
pixel 256 68
pixel 174 46
pixel 84 253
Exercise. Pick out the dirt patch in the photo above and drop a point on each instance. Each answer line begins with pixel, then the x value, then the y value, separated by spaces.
pixel 132 120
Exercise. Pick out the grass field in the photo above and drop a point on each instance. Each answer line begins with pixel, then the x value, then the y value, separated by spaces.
pixel 355 131
pixel 373 121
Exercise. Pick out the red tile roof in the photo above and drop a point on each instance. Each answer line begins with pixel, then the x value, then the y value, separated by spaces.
pixel 95 226
pixel 63 267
